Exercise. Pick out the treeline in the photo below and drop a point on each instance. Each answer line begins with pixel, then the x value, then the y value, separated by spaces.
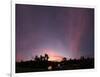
pixel 42 64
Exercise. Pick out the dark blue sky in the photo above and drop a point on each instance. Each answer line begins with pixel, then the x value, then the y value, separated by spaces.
pixel 58 31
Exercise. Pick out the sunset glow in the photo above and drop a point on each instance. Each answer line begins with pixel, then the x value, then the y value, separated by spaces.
pixel 57 31
pixel 53 56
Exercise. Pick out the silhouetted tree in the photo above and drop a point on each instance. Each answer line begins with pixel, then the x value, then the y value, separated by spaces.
pixel 36 58
pixel 46 57
pixel 64 59
pixel 42 58
pixel 82 58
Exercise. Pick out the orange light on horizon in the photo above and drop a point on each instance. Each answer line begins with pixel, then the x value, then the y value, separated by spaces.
pixel 53 56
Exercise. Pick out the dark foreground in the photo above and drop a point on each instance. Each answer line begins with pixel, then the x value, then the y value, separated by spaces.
pixel 38 66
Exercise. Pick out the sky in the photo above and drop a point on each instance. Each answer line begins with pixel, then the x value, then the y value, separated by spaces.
pixel 58 31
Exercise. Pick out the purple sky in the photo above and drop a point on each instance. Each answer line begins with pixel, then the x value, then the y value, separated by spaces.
pixel 59 31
